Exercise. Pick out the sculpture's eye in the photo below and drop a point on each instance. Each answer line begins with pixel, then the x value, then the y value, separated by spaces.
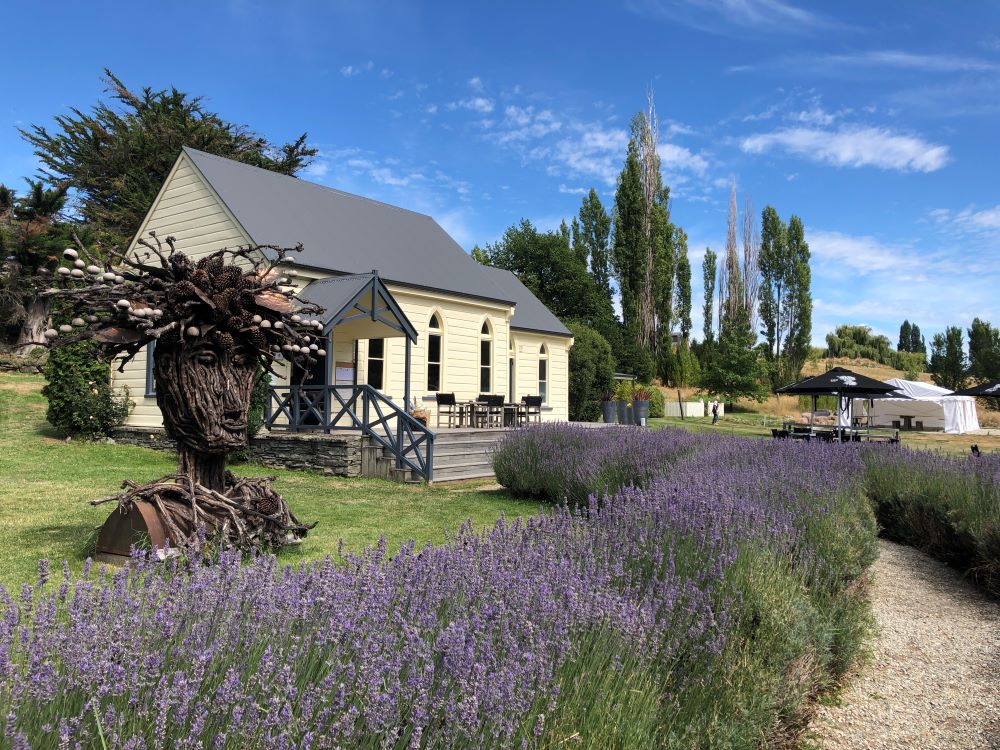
pixel 206 358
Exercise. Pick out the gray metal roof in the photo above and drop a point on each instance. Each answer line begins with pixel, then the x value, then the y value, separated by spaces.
pixel 529 313
pixel 342 232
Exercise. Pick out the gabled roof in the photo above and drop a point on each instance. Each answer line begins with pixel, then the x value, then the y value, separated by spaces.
pixel 344 233
pixel 358 297
pixel 529 313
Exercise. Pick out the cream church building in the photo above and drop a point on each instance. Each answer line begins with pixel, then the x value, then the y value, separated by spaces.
pixel 462 327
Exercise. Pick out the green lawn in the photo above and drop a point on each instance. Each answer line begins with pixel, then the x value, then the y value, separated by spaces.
pixel 45 484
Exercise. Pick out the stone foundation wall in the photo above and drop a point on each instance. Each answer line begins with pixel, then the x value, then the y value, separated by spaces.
pixel 338 455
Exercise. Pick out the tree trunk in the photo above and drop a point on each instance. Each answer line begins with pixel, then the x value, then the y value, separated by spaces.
pixel 206 469
pixel 33 329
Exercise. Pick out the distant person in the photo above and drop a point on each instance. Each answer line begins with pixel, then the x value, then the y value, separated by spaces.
pixel 715 411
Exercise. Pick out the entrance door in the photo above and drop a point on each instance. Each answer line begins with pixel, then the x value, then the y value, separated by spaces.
pixel 510 381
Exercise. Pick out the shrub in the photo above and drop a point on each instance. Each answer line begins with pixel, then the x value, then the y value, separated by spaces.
pixel 948 507
pixel 81 400
pixel 656 402
pixel 591 370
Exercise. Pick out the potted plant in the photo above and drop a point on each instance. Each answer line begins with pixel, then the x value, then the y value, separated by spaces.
pixel 623 396
pixel 640 405
pixel 609 407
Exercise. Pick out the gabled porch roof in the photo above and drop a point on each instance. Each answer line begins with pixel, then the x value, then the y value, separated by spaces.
pixel 359 306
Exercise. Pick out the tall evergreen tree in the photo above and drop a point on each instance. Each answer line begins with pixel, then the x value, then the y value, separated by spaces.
pixel 917 343
pixel 984 351
pixel 626 260
pixel 708 279
pixel 683 276
pixel 595 227
pixel 117 155
pixel 579 245
pixel 905 338
pixel 798 321
pixel 736 370
pixel 948 365
pixel 774 271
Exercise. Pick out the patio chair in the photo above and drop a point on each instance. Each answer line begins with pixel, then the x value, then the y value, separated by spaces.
pixel 447 407
pixel 532 408
pixel 494 411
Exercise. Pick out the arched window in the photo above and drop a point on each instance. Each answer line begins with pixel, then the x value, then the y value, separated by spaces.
pixel 485 358
pixel 376 363
pixel 434 353
pixel 543 373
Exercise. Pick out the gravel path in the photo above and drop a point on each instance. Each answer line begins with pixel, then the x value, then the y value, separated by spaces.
pixel 934 680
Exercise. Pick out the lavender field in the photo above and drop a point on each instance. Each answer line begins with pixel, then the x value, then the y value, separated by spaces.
pixel 701 594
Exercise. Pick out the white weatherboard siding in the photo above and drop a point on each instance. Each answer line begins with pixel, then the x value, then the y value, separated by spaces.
pixel 188 209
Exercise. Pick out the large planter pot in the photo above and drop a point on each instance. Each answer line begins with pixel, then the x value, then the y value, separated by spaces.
pixel 610 410
pixel 624 412
pixel 640 412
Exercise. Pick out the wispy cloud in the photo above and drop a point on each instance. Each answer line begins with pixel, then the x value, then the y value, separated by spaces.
pixel 481 104
pixel 524 124
pixel 853 146
pixel 349 71
pixel 842 63
pixel 969 220
pixel 592 151
pixel 565 189
pixel 674 157
pixel 716 15
pixel 476 84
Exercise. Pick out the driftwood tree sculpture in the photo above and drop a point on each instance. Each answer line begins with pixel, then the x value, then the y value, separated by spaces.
pixel 214 322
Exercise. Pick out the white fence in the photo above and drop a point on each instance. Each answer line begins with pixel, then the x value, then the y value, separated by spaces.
pixel 691 408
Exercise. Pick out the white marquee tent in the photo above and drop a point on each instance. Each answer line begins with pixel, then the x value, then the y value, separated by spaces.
pixel 923 406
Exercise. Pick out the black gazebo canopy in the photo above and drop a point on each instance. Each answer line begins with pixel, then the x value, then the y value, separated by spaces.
pixel 992 388
pixel 838 382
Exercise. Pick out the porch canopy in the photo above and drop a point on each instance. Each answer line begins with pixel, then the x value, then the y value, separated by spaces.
pixel 359 306
pixel 845 384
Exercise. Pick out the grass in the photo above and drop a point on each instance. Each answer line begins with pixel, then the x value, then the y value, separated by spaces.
pixel 47 483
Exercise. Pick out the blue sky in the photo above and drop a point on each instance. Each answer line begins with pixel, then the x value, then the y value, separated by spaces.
pixel 874 122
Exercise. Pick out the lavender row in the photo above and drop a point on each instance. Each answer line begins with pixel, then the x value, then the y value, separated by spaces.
pixel 468 644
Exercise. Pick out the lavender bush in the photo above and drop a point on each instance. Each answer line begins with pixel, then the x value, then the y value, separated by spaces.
pixel 947 506
pixel 698 610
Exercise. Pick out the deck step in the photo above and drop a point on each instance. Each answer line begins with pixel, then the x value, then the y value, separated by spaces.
pixel 461 474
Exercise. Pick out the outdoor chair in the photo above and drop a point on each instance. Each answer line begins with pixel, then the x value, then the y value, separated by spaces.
pixel 532 408
pixel 447 407
pixel 494 411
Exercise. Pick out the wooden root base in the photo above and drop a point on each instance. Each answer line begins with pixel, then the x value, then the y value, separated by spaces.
pixel 248 515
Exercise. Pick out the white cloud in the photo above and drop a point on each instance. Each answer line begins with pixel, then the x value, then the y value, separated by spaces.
pixel 524 124
pixel 572 190
pixel 986 219
pixel 349 71
pixel 674 157
pixel 853 146
pixel 481 104
pixel 594 151
pixel 476 84
pixel 713 15
pixel 431 109
pixel 909 61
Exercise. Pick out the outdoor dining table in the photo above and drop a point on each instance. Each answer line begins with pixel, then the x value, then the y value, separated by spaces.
pixel 467 414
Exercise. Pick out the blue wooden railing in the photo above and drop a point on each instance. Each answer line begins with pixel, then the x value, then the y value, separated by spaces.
pixel 322 408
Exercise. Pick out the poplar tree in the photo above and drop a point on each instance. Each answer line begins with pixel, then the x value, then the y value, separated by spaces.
pixel 774 272
pixel 683 276
pixel 798 311
pixel 708 268
pixel 905 338
pixel 628 235
pixel 595 229
pixel 948 366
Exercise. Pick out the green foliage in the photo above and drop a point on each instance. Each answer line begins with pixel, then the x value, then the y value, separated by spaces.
pixel 949 508
pixel 591 373
pixel 656 402
pixel 858 342
pixel 736 370
pixel 258 401
pixel 948 366
pixel 984 351
pixel 117 155
pixel 910 339
pixel 627 261
pixel 708 271
pixel 683 278
pixel 785 299
pixel 595 232
pixel 81 400
pixel 545 263
pixel 624 390
pixel 634 358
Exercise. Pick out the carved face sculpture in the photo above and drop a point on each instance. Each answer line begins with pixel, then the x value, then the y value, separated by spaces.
pixel 203 391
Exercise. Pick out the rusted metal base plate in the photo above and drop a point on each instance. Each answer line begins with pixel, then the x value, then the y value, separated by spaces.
pixel 139 527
